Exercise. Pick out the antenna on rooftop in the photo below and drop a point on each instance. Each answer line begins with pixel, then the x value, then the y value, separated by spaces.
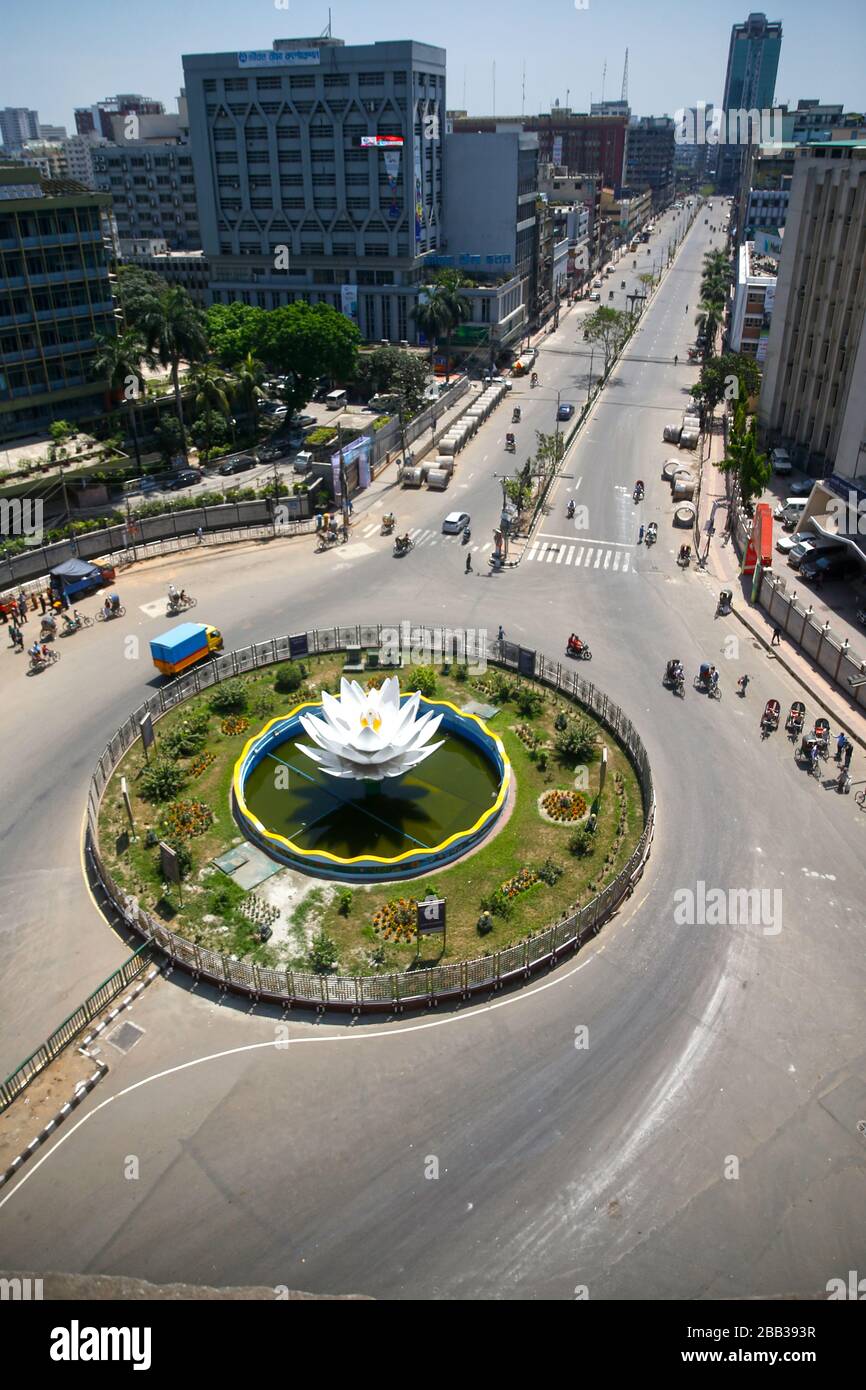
pixel 625 78
pixel 603 76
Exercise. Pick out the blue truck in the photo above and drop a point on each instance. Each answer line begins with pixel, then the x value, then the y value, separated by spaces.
pixel 184 645
pixel 77 577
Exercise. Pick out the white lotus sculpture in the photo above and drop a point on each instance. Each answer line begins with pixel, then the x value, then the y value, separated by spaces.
pixel 366 734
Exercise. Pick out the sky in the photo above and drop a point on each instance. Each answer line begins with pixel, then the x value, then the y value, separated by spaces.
pixel 59 55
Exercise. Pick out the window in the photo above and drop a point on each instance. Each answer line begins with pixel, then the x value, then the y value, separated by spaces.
pixel 370 316
pixel 371 79
pixel 268 84
pixel 299 84
pixel 237 84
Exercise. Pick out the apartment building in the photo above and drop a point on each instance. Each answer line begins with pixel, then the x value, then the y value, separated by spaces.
pixel 97 119
pixel 593 145
pixel 152 191
pixel 55 298
pixel 17 124
pixel 754 298
pixel 650 157
pixel 319 173
pixel 816 336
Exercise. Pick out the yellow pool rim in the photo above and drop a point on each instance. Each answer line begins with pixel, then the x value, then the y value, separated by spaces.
pixel 319 855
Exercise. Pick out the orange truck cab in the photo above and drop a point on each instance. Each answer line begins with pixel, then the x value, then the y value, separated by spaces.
pixel 183 646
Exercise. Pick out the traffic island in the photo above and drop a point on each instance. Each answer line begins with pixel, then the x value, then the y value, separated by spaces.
pixel 179 840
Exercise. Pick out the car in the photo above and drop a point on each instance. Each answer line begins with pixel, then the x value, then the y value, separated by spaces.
pixel 565 411
pixel 595 297
pixel 273 451
pixel 237 465
pixel 785 544
pixel 835 564
pixel 801 488
pixel 302 421
pixel 454 523
pixel 781 461
pixel 187 477
pixel 798 553
pixel 148 485
pixel 295 439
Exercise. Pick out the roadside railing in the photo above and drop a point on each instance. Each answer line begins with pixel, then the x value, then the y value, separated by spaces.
pixel 416 988
pixel 75 1023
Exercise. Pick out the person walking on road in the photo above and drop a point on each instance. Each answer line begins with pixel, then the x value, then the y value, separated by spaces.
pixel 468 569
pixel 640 536
pixel 500 634
pixel 777 637
pixel 22 608
pixel 849 752
pixel 841 743
pixel 42 602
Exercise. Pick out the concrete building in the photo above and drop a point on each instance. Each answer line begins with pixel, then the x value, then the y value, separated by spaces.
pixel 752 308
pixel 152 191
pixel 812 120
pixel 96 119
pixel 625 211
pixel 592 145
pixel 17 124
pixel 55 297
pixel 767 209
pixel 52 132
pixel 650 157
pixel 48 156
pixel 694 155
pixel 815 348
pixel 579 191
pixel 319 174
pixel 750 84
pixel 189 270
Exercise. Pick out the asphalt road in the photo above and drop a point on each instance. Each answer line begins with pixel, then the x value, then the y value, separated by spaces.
pixel 711 1048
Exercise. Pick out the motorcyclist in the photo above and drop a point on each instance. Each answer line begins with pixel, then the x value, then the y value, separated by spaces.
pixel 509 441
pixel 574 643
pixel 714 678
pixel 106 607
pixel 388 521
pixel 515 415
pixel 569 511
pixel 35 652
pixel 743 683
pixel 172 596
pixel 533 380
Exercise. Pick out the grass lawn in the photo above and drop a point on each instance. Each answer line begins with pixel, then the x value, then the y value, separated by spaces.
pixel 214 911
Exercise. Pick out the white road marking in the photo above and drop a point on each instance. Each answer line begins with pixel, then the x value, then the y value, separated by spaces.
pixel 560 557
pixel 531 555
pixel 570 553
pixel 553 550
pixel 598 559
pixel 588 558
pixel 625 562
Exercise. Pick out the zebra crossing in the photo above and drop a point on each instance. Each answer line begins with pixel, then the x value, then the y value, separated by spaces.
pixel 423 536
pixel 590 555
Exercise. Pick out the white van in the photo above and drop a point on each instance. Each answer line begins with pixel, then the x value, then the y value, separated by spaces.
pixel 791 507
pixel 336 400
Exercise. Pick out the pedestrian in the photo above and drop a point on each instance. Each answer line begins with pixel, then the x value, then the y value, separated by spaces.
pixel 22 608
pixel 777 637
pixel 13 634
pixel 500 634
pixel 42 601
pixel 351 506
pixel 468 564
pixel 849 753
pixel 840 746
pixel 199 534
pixel 3 613
pixel 64 600
pixel 19 639
pixel 640 536
pixel 318 521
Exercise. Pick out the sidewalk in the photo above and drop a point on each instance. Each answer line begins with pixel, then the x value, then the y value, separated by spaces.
pixel 723 567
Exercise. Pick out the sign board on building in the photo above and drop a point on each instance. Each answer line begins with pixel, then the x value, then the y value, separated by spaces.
pixel 380 142
pixel 169 863
pixel 557 149
pixel 279 58
pixel 356 452
pixel 349 301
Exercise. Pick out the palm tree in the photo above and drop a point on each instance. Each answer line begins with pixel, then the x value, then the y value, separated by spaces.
pixel 211 389
pixel 432 317
pixel 173 330
pixel 707 320
pixel 246 388
pixel 458 308
pixel 118 361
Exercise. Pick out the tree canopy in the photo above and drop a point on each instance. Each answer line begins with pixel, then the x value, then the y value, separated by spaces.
pixel 301 341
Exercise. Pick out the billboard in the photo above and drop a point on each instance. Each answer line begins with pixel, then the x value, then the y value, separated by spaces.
pixel 281 58
pixel 419 202
pixel 349 301
pixel 557 149
pixel 380 142
pixel 391 159
pixel 357 452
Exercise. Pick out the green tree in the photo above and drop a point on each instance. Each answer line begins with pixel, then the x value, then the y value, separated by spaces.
pixel 208 432
pixel 432 316
pixel 457 307
pixel 235 330
pixel 60 431
pixel 174 330
pixel 608 327
pixel 210 393
pixel 118 361
pixel 246 387
pixel 169 438
pixel 135 287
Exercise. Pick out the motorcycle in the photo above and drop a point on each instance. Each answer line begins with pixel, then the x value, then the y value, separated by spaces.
pixel 674 679
pixel 326 540
pixel 403 545
pixel 178 604
pixel 466 535
pixel 515 415
pixel 684 558
pixel 387 525
pixel 580 651
pixel 510 445
pixel 637 495
pixel 39 663
pixel 533 380
pixel 569 511
pixel 651 534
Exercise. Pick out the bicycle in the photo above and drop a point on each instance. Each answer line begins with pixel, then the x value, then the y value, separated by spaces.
pixel 860 797
pixel 105 615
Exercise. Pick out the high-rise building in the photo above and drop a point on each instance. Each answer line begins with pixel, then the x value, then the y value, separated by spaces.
pixel 96 119
pixel 318 171
pixel 55 297
pixel 816 341
pixel 17 124
pixel 650 157
pixel 152 190
pixel 51 132
pixel 750 85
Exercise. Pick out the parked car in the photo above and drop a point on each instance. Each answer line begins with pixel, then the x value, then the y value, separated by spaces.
pixel 565 411
pixel 798 552
pixel 237 465
pixel 837 565
pixel 148 485
pixel 187 477
pixel 781 461
pixel 801 488
pixel 454 523
pixel 273 451
pixel 595 297
pixel 302 421
pixel 785 544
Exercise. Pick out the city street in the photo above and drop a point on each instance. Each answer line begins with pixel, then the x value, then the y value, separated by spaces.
pixel 559 1167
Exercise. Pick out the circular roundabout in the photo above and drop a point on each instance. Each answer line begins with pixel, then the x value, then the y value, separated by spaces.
pixel 255 840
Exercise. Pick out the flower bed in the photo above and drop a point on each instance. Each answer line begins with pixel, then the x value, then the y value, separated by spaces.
pixel 396 920
pixel 201 763
pixel 520 883
pixel 187 818
pixel 235 724
pixel 566 807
